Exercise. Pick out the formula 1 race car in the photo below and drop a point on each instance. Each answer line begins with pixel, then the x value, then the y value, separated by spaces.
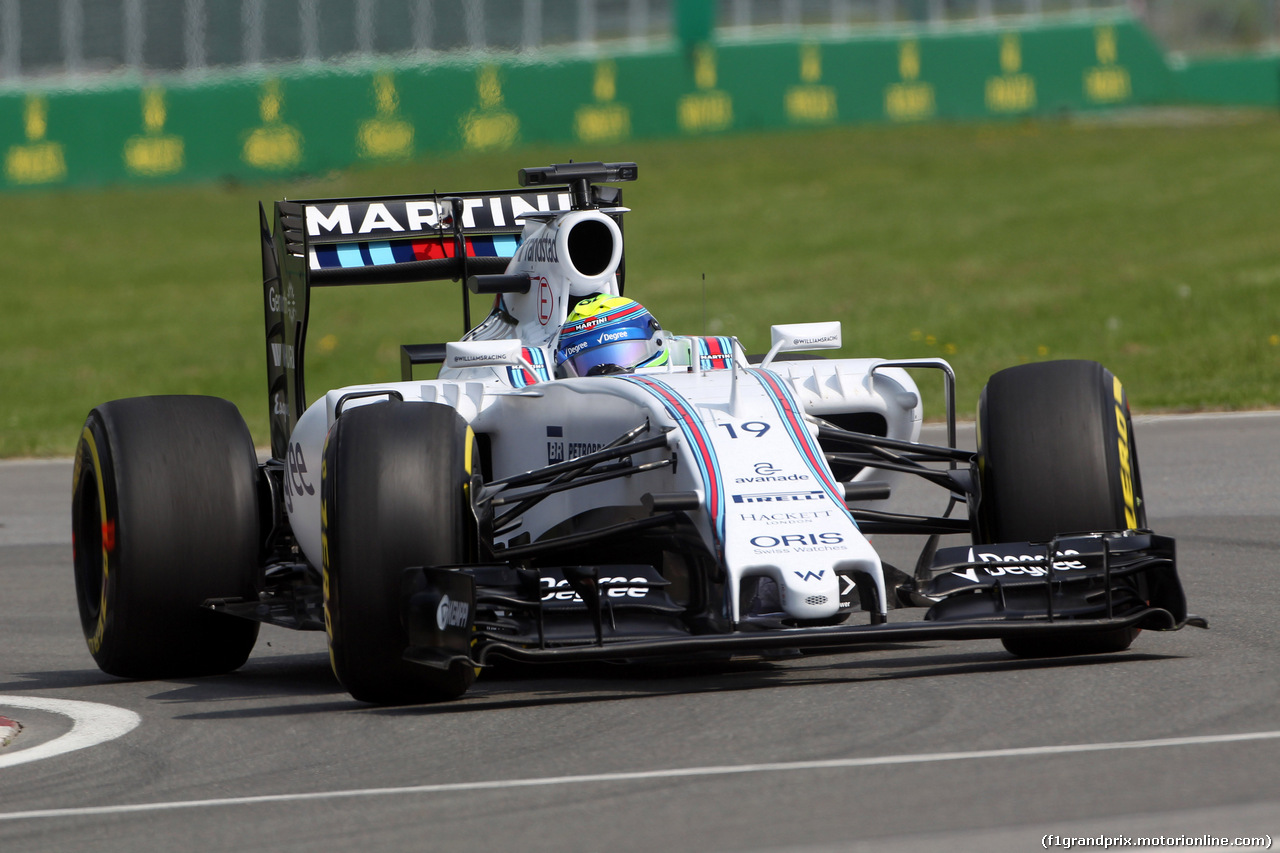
pixel 578 484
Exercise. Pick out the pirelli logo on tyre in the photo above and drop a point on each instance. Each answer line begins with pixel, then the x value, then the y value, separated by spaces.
pixel 1126 459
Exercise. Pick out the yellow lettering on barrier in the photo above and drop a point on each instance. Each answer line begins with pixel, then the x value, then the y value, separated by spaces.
pixel 490 126
pixel 273 147
pixel 909 60
pixel 385 139
pixel 603 121
pixel 154 153
pixel 809 102
pixel 276 145
pixel 1104 45
pixel 1010 53
pixel 40 161
pixel 1107 82
pixel 1012 91
pixel 910 100
pixel 704 67
pixel 1107 85
pixel 387 136
pixel 810 63
pixel 490 132
pixel 702 112
pixel 709 109
pixel 605 85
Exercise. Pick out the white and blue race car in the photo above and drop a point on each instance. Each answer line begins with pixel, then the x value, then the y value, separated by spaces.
pixel 579 484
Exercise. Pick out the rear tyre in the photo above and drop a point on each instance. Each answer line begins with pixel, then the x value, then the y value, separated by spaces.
pixel 1056 455
pixel 164 515
pixel 393 487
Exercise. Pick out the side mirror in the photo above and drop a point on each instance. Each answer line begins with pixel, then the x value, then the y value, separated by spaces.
pixel 802 336
pixel 510 352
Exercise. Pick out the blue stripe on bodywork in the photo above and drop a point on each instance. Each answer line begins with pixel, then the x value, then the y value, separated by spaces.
pixel 380 253
pixel 326 257
pixel 784 402
pixel 519 376
pixel 699 442
pixel 714 353
pixel 349 255
pixel 505 245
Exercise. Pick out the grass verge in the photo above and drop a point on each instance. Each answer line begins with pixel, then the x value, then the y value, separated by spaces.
pixel 1149 247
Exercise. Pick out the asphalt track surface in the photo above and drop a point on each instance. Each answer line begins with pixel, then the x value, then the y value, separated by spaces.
pixel 952 746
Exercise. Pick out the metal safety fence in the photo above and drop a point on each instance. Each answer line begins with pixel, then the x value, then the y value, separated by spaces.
pixel 40 39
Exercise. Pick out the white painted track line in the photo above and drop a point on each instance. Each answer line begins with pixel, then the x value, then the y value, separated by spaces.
pixel 92 723
pixel 649 775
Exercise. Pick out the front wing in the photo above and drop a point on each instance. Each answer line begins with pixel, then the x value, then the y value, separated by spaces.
pixel 1095 583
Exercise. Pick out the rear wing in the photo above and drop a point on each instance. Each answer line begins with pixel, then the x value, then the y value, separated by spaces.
pixel 382 240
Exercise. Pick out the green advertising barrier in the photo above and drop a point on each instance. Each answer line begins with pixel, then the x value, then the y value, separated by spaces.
pixel 1230 81
pixel 297 120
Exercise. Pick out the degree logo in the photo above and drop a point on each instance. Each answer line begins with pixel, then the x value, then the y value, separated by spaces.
pixel 451 614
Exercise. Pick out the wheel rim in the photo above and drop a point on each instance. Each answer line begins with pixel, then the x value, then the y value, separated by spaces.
pixel 87 542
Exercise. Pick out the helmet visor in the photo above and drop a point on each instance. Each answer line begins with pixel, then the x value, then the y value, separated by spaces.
pixel 625 354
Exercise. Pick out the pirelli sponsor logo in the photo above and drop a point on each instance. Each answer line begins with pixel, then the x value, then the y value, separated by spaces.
pixel 781 497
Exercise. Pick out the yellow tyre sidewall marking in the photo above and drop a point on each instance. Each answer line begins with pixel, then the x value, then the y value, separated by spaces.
pixel 466 492
pixel 1126 457
pixel 324 556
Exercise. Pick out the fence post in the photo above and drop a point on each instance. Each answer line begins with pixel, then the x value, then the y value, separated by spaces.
pixel 473 21
pixel 695 21
pixel 193 30
pixel 135 29
pixel 11 30
pixel 252 23
pixel 422 17
pixel 72 35
pixel 309 30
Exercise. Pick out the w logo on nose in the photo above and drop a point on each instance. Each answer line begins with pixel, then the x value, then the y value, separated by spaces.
pixel 811 576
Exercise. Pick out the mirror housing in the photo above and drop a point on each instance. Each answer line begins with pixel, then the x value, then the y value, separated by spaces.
pixel 802 336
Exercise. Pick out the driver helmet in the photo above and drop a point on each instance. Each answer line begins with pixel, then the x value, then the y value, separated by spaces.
pixel 609 334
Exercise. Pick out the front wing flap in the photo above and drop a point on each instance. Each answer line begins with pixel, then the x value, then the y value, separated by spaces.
pixel 1096 583
pixel 1095 576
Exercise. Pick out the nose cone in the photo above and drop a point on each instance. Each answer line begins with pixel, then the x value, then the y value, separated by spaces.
pixel 810 594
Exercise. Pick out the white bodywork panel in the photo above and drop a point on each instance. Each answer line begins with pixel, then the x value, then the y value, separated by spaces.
pixel 771 506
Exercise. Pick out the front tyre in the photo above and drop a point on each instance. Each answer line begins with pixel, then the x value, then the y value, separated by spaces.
pixel 393 489
pixel 1056 456
pixel 164 516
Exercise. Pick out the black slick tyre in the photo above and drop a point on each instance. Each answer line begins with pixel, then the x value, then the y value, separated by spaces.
pixel 1056 455
pixel 393 489
pixel 164 517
